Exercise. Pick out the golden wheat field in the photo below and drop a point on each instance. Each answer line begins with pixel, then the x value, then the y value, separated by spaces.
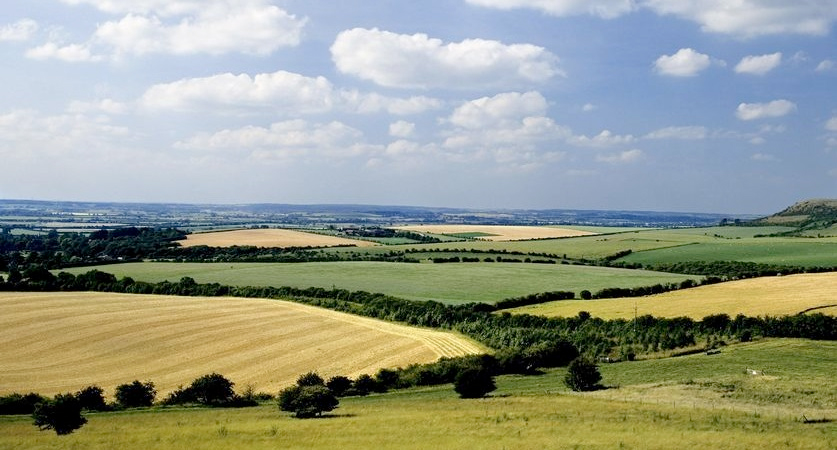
pixel 772 296
pixel 499 232
pixel 61 342
pixel 268 238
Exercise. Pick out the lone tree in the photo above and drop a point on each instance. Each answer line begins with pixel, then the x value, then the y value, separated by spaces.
pixel 582 375
pixel 473 382
pixel 135 394
pixel 308 398
pixel 62 414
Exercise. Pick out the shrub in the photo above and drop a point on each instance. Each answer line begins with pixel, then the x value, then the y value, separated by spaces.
pixel 582 375
pixel 20 404
pixel 339 385
pixel 135 394
pixel 92 398
pixel 62 414
pixel 474 382
pixel 310 379
pixel 212 390
pixel 307 401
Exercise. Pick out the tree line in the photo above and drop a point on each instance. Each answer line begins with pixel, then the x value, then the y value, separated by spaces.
pixel 540 341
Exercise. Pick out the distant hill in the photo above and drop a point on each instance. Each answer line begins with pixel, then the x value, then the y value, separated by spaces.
pixel 807 214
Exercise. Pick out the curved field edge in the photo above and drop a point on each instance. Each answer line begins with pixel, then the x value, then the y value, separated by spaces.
pixel 486 282
pixel 773 296
pixel 58 342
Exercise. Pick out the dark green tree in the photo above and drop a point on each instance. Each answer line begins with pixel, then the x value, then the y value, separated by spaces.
pixel 135 394
pixel 61 414
pixel 213 389
pixel 92 398
pixel 339 385
pixel 310 379
pixel 582 375
pixel 307 401
pixel 474 382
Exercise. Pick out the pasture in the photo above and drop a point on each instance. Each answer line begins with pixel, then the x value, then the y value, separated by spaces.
pixel 452 283
pixel 640 410
pixel 774 296
pixel 57 342
pixel 498 232
pixel 674 245
pixel 273 237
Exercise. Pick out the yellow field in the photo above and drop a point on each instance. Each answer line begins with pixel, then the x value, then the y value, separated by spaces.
pixel 753 297
pixel 499 232
pixel 60 342
pixel 269 238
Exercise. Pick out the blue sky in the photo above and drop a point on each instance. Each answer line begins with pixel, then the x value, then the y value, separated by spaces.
pixel 669 105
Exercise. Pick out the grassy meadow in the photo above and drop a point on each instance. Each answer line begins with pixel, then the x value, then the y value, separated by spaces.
pixel 451 283
pixel 64 341
pixel 733 410
pixel 652 246
pixel 774 296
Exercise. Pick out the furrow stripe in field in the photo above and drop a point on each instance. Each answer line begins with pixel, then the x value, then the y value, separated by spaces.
pixel 59 342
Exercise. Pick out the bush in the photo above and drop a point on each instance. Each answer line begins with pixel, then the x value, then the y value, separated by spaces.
pixel 212 390
pixel 310 379
pixel 339 385
pixel 135 394
pixel 62 414
pixel 474 382
pixel 92 398
pixel 307 401
pixel 20 404
pixel 582 375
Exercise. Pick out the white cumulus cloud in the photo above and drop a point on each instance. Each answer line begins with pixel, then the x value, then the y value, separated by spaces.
pixel 686 133
pixel 292 140
pixel 603 139
pixel 418 61
pixel 22 30
pixel 402 129
pixel 751 18
pixel 212 27
pixel 759 65
pixel 281 90
pixel 67 53
pixel 628 156
pixel 607 9
pixel 685 63
pixel 498 110
pixel 825 65
pixel 831 124
pixel 776 108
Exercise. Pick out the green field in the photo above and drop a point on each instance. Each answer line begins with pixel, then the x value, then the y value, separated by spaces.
pixel 784 251
pixel 726 409
pixel 654 246
pixel 452 283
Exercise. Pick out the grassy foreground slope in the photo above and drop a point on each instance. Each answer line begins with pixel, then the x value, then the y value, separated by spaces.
pixel 58 342
pixel 452 283
pixel 773 296
pixel 733 412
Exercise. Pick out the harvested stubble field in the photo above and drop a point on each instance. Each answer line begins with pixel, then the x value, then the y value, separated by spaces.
pixel 59 342
pixel 269 238
pixel 499 232
pixel 772 296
